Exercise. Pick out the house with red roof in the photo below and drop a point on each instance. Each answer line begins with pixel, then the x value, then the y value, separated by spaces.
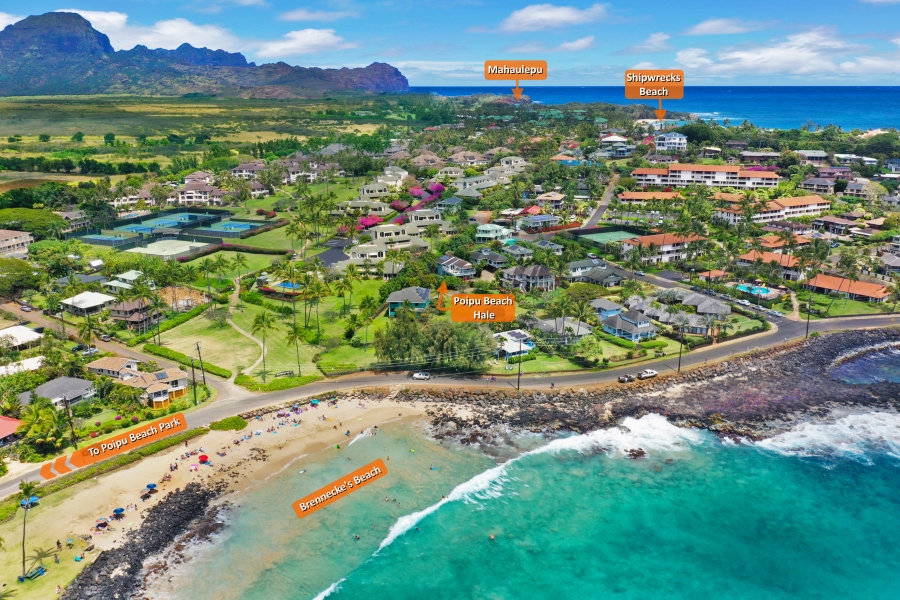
pixel 8 427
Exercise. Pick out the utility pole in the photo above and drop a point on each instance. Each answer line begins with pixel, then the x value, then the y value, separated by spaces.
pixel 71 426
pixel 519 383
pixel 202 370
pixel 194 380
pixel 680 346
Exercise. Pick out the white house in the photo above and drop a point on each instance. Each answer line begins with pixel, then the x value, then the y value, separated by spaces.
pixel 671 141
pixel 489 232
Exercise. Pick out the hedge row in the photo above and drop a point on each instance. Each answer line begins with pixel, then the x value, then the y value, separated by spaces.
pixel 269 227
pixel 8 507
pixel 234 248
pixel 168 324
pixel 185 360
pixel 615 340
pixel 234 423
pixel 523 358
pixel 281 383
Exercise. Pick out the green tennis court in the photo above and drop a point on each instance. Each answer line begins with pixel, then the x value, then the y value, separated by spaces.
pixel 607 236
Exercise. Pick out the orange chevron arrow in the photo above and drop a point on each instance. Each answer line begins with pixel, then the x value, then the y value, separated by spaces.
pixel 46 473
pixel 59 465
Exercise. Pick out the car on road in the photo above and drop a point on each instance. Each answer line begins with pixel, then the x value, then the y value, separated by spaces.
pixel 105 338
pixel 744 303
pixel 641 273
pixel 647 374
pixel 25 308
pixel 78 347
pixel 591 255
pixel 91 352
pixel 422 376
pixel 626 378
pixel 776 313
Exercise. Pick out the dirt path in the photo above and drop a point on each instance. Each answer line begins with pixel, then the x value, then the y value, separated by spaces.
pixel 795 313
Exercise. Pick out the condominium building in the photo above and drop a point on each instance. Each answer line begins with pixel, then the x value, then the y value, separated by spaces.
pixel 14 241
pixel 679 175
pixel 776 210
pixel 664 247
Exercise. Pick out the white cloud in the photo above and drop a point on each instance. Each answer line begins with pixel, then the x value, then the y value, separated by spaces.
pixel 724 26
pixel 304 14
pixel 535 47
pixel 436 70
pixel 657 42
pixel 576 45
pixel 537 17
pixel 816 51
pixel 304 41
pixel 8 19
pixel 169 33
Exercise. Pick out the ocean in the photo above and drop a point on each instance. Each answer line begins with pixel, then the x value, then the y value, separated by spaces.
pixel 812 513
pixel 781 107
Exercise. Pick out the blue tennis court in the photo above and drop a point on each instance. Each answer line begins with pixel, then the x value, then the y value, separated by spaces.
pixel 136 228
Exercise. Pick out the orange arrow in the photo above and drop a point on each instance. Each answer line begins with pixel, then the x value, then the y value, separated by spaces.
pixel 441 291
pixel 517 91
pixel 59 465
pixel 46 473
pixel 660 114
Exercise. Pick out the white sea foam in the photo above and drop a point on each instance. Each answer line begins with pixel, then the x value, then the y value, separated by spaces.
pixel 364 434
pixel 327 592
pixel 852 436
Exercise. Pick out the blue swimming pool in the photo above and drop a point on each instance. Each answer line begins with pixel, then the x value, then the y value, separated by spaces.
pixel 754 291
pixel 287 285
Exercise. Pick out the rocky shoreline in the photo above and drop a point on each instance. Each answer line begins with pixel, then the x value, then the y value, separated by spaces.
pixel 750 397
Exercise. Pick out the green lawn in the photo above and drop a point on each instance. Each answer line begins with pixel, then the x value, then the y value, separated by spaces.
pixel 276 239
pixel 742 323
pixel 224 347
pixel 255 262
pixel 842 307
pixel 279 356
pixel 544 364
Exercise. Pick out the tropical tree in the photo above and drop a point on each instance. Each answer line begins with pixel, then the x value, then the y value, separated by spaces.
pixel 351 274
pixel 343 287
pixel 263 323
pixel 679 322
pixel 157 307
pixel 317 291
pixel 26 491
pixel 581 311
pixel 368 306
pixel 87 329
pixel 294 336
pixel 221 265
pixel 293 230
pixel 207 267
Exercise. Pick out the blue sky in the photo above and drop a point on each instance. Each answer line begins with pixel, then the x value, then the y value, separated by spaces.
pixel 764 42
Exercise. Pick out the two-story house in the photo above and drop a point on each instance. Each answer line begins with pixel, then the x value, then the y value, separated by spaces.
pixel 527 278
pixel 606 308
pixel 113 366
pixel 417 297
pixel 455 267
pixel 671 142
pixel 485 234
pixel 630 325
pixel 160 388
pixel 490 258
pixel 136 314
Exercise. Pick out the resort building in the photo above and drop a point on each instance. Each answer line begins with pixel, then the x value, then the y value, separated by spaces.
pixel 248 170
pixel 61 390
pixel 775 210
pixel 75 219
pixel 681 175
pixel 197 193
pixel 671 142
pixel 630 325
pixel 641 198
pixel 455 267
pixel 666 247
pixel 417 297
pixel 12 242
pixel 87 303
pixel 375 190
pixel 364 207
pixel 855 290
pixel 468 159
pixel 449 173
pixel 199 176
pixel 527 278
pixel 790 266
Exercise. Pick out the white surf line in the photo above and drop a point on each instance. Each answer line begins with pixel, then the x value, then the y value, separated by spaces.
pixel 651 431
pixel 364 434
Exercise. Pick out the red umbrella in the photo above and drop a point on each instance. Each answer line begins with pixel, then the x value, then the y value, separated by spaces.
pixel 204 458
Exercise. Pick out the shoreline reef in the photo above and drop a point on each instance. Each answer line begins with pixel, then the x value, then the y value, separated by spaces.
pixel 749 397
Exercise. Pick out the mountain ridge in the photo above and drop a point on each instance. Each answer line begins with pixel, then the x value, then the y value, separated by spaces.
pixel 61 53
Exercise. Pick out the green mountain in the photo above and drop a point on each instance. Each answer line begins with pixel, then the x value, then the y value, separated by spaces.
pixel 61 53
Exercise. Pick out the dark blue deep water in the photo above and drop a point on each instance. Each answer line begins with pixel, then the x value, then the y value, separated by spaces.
pixel 862 107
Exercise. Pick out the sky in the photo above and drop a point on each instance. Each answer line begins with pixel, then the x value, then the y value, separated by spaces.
pixel 445 42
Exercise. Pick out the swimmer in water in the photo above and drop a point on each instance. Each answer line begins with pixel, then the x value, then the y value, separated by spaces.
pixel 357 537
pixel 492 537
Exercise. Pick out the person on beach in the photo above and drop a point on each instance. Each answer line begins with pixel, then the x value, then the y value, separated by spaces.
pixel 58 545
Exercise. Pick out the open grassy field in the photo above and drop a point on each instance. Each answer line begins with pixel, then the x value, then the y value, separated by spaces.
pixel 276 239
pixel 279 355
pixel 843 307
pixel 223 347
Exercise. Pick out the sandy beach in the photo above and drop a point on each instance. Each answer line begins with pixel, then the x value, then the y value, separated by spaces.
pixel 74 512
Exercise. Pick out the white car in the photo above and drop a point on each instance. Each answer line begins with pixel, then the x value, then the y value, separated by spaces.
pixel 744 302
pixel 640 273
pixel 647 374
pixel 422 376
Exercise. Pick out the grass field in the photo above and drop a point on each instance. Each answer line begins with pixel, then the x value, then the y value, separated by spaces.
pixel 224 347
pixel 254 263
pixel 842 307
pixel 279 356
pixel 276 239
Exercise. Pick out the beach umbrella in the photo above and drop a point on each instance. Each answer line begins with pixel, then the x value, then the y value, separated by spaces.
pixel 151 486
pixel 314 402
pixel 204 458
pixel 118 511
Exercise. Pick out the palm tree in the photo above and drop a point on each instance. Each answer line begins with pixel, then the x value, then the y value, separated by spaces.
pixel 318 290
pixel 295 335
pixel 368 306
pixel 207 267
pixel 351 274
pixel 343 287
pixel 157 307
pixel 86 330
pixel 263 322
pixel 367 266
pixel 582 312
pixel 709 321
pixel 221 265
pixel 26 491
pixel 292 230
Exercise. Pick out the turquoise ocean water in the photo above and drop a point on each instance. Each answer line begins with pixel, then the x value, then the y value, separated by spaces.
pixel 813 513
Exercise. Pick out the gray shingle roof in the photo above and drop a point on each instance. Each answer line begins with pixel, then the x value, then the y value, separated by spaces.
pixel 56 388
pixel 414 294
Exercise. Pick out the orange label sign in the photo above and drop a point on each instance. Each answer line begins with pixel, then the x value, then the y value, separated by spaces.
pixel 134 437
pixel 515 69
pixel 323 497
pixel 483 308
pixel 643 84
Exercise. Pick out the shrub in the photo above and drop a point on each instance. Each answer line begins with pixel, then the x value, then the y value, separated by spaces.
pixel 169 324
pixel 615 340
pixel 524 358
pixel 184 359
pixel 282 383
pixel 234 423
pixel 653 344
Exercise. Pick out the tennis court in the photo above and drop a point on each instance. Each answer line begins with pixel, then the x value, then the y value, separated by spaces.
pixel 170 249
pixel 607 236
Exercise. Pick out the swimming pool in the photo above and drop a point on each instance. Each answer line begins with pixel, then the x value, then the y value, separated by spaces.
pixel 287 285
pixel 755 290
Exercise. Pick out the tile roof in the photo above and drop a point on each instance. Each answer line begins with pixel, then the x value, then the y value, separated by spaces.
pixel 857 288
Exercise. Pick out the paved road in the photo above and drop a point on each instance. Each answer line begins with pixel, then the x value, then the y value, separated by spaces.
pixel 604 203
pixel 241 400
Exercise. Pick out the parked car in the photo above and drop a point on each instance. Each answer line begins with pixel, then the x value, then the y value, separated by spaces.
pixel 626 378
pixel 641 273
pixel 776 313
pixel 91 352
pixel 78 347
pixel 422 376
pixel 591 255
pixel 744 302
pixel 647 374
pixel 25 308
pixel 105 338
